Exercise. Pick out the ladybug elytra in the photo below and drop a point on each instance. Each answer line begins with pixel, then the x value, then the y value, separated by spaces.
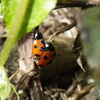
pixel 48 56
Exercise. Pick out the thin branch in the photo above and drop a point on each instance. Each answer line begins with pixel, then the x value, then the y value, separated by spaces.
pixel 77 3
pixel 66 28
pixel 83 92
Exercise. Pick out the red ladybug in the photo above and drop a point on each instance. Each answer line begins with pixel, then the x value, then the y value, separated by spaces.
pixel 48 56
pixel 43 51
pixel 38 45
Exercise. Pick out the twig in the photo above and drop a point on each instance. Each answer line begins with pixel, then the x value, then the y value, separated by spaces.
pixel 49 93
pixel 23 81
pixel 80 62
pixel 77 49
pixel 82 93
pixel 11 77
pixel 77 3
pixel 57 90
pixel 73 86
pixel 36 91
pixel 66 28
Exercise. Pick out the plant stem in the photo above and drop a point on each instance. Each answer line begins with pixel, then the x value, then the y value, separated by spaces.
pixel 15 31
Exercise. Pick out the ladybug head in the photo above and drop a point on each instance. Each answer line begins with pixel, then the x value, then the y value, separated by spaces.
pixel 37 35
pixel 49 47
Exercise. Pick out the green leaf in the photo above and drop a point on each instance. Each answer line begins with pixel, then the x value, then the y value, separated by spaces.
pixel 5 85
pixel 34 14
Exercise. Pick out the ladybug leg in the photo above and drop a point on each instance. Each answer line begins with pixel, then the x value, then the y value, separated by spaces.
pixel 42 49
pixel 36 59
pixel 41 66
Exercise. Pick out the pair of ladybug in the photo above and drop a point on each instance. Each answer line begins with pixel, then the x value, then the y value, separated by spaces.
pixel 43 52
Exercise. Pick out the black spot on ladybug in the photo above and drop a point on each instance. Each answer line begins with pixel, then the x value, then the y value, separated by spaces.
pixel 37 55
pixel 35 46
pixel 50 62
pixel 45 57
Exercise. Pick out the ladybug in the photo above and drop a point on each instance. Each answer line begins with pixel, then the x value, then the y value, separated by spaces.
pixel 48 56
pixel 38 45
